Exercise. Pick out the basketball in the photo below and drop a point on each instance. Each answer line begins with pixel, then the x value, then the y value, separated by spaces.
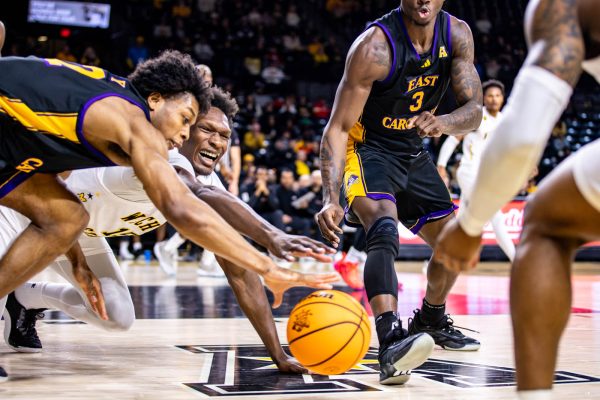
pixel 328 332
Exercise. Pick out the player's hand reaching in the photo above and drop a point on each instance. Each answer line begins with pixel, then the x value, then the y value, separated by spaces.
pixel 289 365
pixel 288 247
pixel 427 125
pixel 91 287
pixel 329 219
pixel 278 280
pixel 455 249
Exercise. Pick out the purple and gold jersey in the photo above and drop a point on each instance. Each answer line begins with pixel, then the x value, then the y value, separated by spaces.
pixel 49 98
pixel 416 83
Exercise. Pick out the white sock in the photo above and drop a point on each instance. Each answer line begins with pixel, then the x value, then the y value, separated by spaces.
pixel 535 394
pixel 502 236
pixel 208 260
pixel 31 295
pixel 124 246
pixel 174 242
pixel 355 256
pixel 137 246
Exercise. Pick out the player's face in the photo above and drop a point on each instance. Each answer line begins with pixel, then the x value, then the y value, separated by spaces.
pixel 421 12
pixel 493 99
pixel 208 141
pixel 173 116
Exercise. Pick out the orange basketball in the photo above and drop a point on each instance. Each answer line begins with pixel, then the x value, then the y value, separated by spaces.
pixel 329 332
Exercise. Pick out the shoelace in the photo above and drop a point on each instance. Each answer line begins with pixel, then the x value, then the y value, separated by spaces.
pixel 30 317
pixel 451 327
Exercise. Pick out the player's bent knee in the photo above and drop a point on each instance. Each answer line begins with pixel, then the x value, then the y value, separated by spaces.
pixel 119 306
pixel 68 225
pixel 383 234
pixel 382 248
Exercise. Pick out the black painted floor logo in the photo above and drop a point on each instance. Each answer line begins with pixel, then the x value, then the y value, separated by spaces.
pixel 248 370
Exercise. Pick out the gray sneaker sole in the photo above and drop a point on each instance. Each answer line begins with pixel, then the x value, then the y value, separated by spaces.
pixel 468 347
pixel 419 352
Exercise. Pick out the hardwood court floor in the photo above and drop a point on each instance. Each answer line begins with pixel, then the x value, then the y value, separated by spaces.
pixel 190 342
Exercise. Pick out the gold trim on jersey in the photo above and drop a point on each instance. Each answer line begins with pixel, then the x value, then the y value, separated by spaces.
pixel 62 125
pixel 357 133
pixel 354 185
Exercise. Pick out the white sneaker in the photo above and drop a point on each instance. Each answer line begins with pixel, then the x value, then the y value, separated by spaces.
pixel 209 267
pixel 167 260
pixel 125 254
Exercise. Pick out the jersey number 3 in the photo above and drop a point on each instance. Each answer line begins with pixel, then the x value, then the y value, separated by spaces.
pixel 418 98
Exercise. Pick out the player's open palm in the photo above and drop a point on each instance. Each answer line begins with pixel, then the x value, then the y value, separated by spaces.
pixel 278 280
pixel 455 249
pixel 329 219
pixel 92 288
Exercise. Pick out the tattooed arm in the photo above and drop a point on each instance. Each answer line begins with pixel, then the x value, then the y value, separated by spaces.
pixel 465 82
pixel 368 60
pixel 466 86
pixel 540 94
pixel 554 38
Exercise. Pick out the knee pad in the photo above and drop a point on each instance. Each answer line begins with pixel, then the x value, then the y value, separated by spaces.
pixel 383 235
pixel 382 249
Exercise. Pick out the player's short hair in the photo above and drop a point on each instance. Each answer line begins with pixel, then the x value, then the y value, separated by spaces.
pixel 492 83
pixel 170 74
pixel 224 102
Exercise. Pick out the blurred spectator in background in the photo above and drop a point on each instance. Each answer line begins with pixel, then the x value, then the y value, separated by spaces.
pixel 292 219
pixel 65 54
pixel 89 57
pixel 137 53
pixel 262 198
pixel 254 139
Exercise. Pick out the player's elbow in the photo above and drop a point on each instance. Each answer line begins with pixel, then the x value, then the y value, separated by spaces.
pixel 206 191
pixel 478 116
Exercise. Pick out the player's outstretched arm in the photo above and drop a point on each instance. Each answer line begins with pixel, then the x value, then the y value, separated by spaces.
pixel 369 59
pixel 192 217
pixel 253 301
pixel 247 222
pixel 540 94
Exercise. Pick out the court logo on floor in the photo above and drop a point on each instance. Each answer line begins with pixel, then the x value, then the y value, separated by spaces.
pixel 248 370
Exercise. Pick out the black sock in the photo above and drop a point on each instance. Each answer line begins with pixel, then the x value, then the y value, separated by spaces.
pixel 432 314
pixel 384 323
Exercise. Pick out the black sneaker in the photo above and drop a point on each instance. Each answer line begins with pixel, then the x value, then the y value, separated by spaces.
pixel 401 354
pixel 444 334
pixel 19 326
pixel 3 375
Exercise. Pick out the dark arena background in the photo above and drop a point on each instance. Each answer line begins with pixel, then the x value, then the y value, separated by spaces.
pixel 282 62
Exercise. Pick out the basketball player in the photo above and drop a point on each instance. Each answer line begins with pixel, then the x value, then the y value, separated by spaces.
pixel 565 211
pixel 472 146
pixel 118 205
pixel 396 73
pixel 59 116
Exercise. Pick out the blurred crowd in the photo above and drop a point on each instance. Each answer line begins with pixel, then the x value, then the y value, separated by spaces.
pixel 267 53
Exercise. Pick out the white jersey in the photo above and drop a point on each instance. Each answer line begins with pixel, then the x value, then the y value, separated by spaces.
pixel 474 141
pixel 592 67
pixel 116 201
pixel 212 180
